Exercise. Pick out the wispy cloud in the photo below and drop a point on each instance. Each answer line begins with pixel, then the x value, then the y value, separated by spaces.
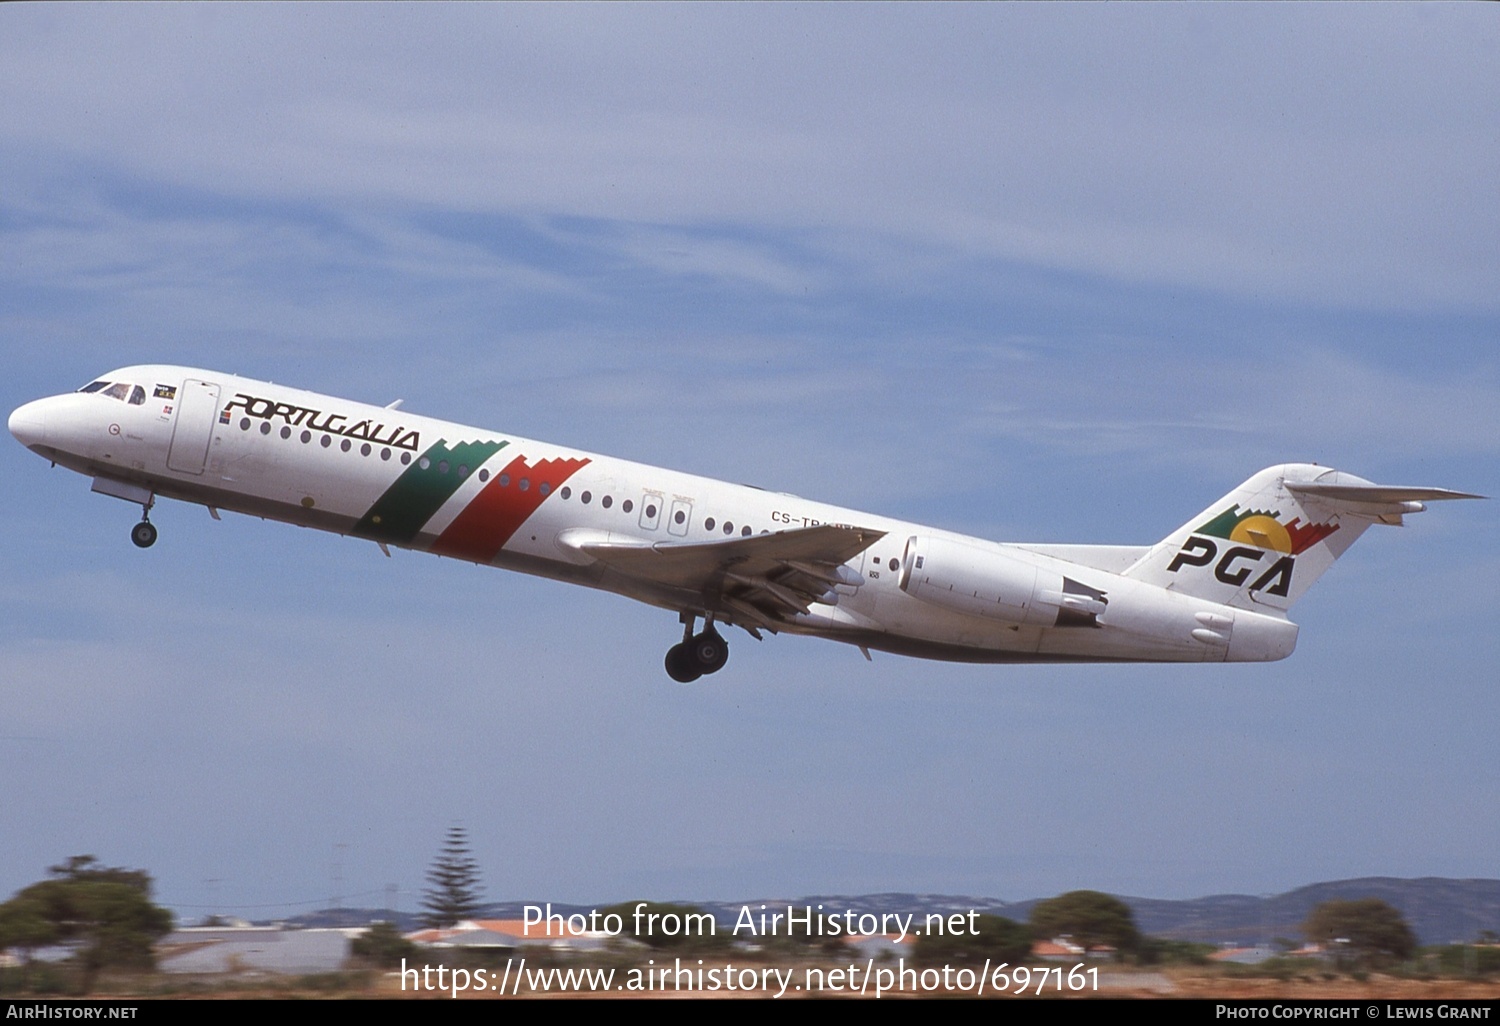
pixel 1283 165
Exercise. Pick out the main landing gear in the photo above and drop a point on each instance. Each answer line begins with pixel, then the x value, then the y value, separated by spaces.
pixel 698 654
pixel 144 533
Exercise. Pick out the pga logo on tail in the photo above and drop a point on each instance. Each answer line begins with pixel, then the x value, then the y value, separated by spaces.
pixel 1265 533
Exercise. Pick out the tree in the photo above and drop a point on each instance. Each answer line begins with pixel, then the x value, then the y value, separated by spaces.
pixel 1368 931
pixel 382 945
pixel 1090 918
pixel 454 876
pixel 104 912
pixel 994 937
pixel 25 927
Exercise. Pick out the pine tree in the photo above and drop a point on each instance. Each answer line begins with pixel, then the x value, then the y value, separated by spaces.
pixel 454 876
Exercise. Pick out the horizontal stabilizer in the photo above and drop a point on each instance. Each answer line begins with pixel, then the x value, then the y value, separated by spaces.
pixel 1377 494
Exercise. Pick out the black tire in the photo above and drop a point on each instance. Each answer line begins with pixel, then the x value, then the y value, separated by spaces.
pixel 710 651
pixel 143 534
pixel 680 665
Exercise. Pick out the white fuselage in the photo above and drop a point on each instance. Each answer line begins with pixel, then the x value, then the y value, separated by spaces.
pixel 405 480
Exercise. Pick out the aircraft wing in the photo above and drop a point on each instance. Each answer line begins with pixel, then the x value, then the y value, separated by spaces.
pixel 756 581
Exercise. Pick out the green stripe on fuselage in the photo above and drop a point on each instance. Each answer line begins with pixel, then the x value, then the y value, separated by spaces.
pixel 420 491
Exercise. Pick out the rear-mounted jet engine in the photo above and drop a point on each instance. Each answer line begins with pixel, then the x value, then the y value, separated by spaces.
pixel 968 579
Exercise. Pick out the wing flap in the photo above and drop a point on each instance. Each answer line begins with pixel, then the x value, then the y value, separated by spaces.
pixel 757 581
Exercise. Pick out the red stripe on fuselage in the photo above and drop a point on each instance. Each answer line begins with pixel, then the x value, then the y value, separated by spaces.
pixel 482 528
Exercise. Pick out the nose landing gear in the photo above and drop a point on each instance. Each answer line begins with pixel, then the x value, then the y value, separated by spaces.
pixel 697 654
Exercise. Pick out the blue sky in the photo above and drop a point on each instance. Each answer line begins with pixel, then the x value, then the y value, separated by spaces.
pixel 1036 272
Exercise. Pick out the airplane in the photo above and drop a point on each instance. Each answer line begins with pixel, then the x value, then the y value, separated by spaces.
pixel 1218 589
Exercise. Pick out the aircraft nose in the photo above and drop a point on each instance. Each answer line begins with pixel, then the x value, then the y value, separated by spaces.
pixel 29 424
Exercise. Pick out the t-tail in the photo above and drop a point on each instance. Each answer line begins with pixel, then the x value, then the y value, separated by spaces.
pixel 1264 544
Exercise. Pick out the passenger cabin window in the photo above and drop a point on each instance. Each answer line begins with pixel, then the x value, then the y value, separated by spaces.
pixel 650 511
pixel 682 512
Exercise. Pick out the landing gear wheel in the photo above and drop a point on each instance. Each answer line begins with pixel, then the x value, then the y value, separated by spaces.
pixel 143 534
pixel 710 651
pixel 681 666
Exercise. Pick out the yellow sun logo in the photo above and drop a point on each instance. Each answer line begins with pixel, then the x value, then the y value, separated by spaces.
pixel 1263 532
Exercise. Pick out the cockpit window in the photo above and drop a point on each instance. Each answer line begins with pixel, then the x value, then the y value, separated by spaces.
pixel 124 391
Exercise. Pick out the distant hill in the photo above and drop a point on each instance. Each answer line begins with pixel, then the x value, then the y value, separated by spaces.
pixel 1439 910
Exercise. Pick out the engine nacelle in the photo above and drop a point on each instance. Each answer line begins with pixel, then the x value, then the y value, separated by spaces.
pixel 982 582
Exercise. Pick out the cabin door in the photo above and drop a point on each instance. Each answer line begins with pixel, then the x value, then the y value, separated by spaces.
pixel 197 406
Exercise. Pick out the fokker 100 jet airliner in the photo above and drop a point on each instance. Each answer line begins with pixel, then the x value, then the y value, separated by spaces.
pixel 1217 589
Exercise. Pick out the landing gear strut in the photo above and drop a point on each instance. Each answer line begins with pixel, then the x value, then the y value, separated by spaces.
pixel 699 654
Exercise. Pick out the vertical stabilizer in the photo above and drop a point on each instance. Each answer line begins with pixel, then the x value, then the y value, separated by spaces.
pixel 1264 544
